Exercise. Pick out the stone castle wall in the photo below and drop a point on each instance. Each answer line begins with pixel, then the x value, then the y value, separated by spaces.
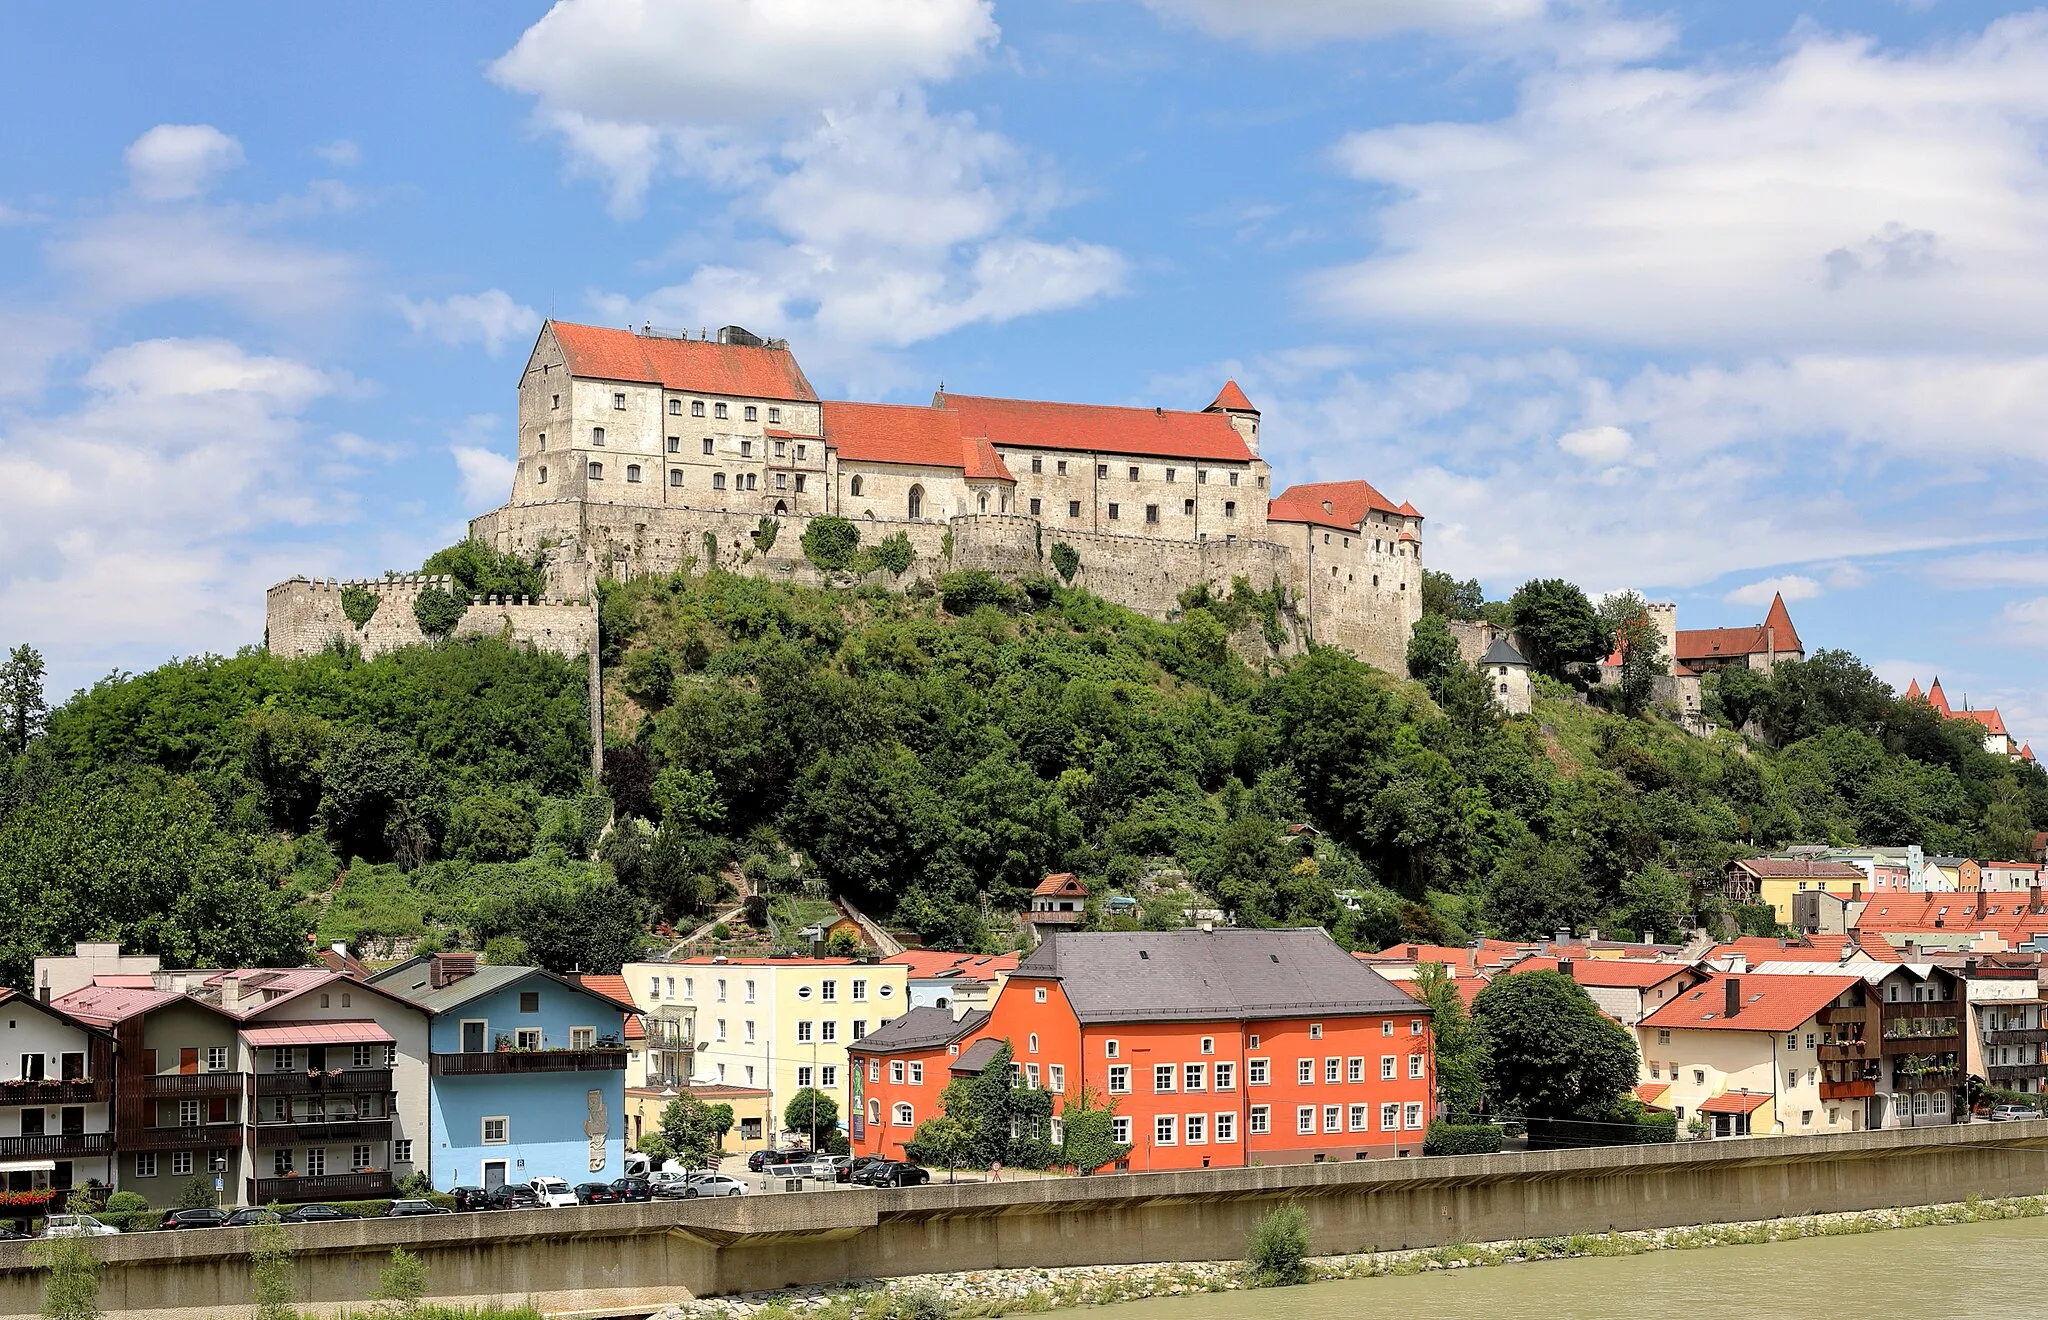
pixel 304 617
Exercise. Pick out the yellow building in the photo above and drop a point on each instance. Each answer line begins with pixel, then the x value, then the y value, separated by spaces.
pixel 1775 880
pixel 772 1025
pixel 1747 1055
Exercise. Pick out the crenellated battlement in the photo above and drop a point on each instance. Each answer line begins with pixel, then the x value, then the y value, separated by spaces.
pixel 305 615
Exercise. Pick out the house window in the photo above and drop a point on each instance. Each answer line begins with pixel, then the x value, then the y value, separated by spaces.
pixel 633 472
pixel 696 407
pixel 917 1074
pixel 803 1076
pixel 596 471
pixel 528 1038
pixel 1361 1118
pixel 1031 1076
pixel 217 1058
pixel 1331 1067
pixel 497 1130
pixel 281 1163
pixel 775 415
pixel 1162 1130
pixel 1305 1119
pixel 1315 1031
pixel 1120 1131
pixel 1390 1118
pixel 1060 467
pixel 1169 474
pixel 1387 1027
pixel 803 1031
pixel 361 1057
pixel 828 1031
pixel 828 1076
pixel 718 481
pixel 1333 1118
pixel 529 1001
pixel 1120 1079
pixel 1415 1026
pixel 746 449
pixel 710 445
pixel 1134 474
pixel 283 1059
pixel 1412 1115
pixel 1193 1076
pixel 1305 1072
pixel 1208 1044
pixel 1259 1120
pixel 916 502
pixel 905 1116
pixel 1073 508
pixel 1233 478
pixel 1035 506
pixel 583 1038
pixel 1109 1049
pixel 1230 508
pixel 145 1166
pixel 358 1158
pixel 1102 471
pixel 1201 476
pixel 597 435
pixel 1226 1076
pixel 675 476
pixel 1162 1077
pixel 1188 507
pixel 1386 1067
pixel 401 1151
pixel 1032 1042
pixel 1056 1078
pixel 181 1163
pixel 1197 1128
pixel 1663 1037
pixel 1255 1072
pixel 1414 1067
pixel 718 410
pixel 753 414
pixel 896 1071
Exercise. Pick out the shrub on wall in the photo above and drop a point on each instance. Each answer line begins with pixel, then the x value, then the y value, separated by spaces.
pixel 963 593
pixel 360 604
pixel 437 611
pixel 1066 559
pixel 832 543
pixel 894 553
pixel 1461 1139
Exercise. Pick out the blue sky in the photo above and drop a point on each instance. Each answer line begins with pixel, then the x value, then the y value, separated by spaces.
pixel 1695 299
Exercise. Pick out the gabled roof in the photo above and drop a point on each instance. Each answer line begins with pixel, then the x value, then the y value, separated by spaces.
pixel 920 1029
pixel 485 980
pixel 17 1000
pixel 1231 399
pixel 1503 652
pixel 1798 868
pixel 1059 882
pixel 1768 1003
pixel 1209 975
pixel 1735 1102
pixel 106 1005
pixel 976 1056
pixel 910 435
pixel 935 964
pixel 693 365
pixel 1779 622
pixel 614 987
pixel 1990 719
pixel 1626 973
pixel 1098 428
pixel 1336 504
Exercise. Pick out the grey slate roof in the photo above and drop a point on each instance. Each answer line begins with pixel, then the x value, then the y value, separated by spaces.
pixel 1212 975
pixel 976 1056
pixel 1503 652
pixel 919 1029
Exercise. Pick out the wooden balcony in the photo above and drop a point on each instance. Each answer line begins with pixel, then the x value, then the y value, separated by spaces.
pixel 180 1086
pixel 1835 1015
pixel 1998 1073
pixel 504 1062
pixel 59 1146
pixel 198 1136
pixel 1848 1090
pixel 83 1091
pixel 1847 1051
pixel 331 1187
pixel 345 1081
pixel 318 1132
pixel 2039 1037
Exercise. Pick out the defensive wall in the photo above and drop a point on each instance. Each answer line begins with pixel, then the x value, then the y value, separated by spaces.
pixel 628 1260
pixel 303 616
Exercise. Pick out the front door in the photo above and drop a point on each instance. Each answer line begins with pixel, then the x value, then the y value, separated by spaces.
pixel 473 1037
pixel 188 1061
pixel 494 1174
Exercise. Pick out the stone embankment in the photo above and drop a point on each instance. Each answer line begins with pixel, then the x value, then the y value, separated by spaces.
pixel 968 1295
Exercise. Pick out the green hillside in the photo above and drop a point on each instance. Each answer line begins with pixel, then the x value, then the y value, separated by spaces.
pixel 929 756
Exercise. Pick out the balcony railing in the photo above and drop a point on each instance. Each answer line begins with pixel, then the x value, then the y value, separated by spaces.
pixel 2013 1072
pixel 170 1085
pixel 1856 1090
pixel 501 1062
pixel 84 1091
pixel 313 1132
pixel 330 1187
pixel 61 1146
pixel 198 1136
pixel 346 1081
pixel 1834 1015
pixel 1929 1080
pixel 2017 1037
pixel 1844 1051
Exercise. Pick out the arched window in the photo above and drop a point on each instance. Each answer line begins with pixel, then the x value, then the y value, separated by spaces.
pixel 718 410
pixel 543 476
pixel 676 406
pixel 753 478
pixel 984 501
pixel 752 412
pixel 597 472
pixel 917 501
pixel 718 481
pixel 1034 1043
pixel 854 487
pixel 632 472
pixel 781 507
pixel 597 435
pixel 905 1118
pixel 675 476
pixel 874 1111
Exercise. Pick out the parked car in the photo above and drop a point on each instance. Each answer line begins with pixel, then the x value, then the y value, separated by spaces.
pixel 470 1198
pixel 59 1226
pixel 714 1184
pixel 553 1193
pixel 596 1193
pixel 205 1217
pixel 632 1189
pixel 862 1161
pixel 2007 1113
pixel 250 1215
pixel 513 1196
pixel 761 1159
pixel 9 1235
pixel 317 1213
pixel 405 1209
pixel 839 1168
pixel 891 1173
pixel 667 1183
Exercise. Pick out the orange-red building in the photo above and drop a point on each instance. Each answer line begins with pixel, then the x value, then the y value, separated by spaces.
pixel 1218 1048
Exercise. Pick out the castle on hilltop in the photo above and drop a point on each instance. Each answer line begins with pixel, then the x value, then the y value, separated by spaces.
pixel 644 452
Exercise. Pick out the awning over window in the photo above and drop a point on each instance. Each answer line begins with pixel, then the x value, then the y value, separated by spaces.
pixel 1735 1102
pixel 316 1033
pixel 28 1166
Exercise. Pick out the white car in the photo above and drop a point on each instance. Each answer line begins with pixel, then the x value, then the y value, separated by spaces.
pixel 60 1226
pixel 554 1194
pixel 714 1184
pixel 668 1182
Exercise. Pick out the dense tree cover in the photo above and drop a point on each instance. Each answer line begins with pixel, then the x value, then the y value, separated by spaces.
pixel 479 570
pixel 1547 1051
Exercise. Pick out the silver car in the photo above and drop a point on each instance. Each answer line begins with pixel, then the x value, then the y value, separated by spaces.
pixel 60 1226
pixel 714 1184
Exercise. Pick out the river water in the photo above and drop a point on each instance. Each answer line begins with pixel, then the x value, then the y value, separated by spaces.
pixel 1947 1272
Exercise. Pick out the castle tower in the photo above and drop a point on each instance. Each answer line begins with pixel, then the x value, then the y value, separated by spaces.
pixel 1230 401
pixel 1507 677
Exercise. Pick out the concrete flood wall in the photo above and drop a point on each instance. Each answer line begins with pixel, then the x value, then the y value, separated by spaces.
pixel 628 1260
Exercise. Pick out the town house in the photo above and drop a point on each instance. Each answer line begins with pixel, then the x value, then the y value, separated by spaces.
pixel 56 1102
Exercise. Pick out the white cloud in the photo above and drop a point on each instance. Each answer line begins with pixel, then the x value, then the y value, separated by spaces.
pixel 1844 196
pixel 175 161
pixel 1597 444
pixel 341 153
pixel 486 476
pixel 1304 22
pixel 2025 622
pixel 490 318
pixel 1791 586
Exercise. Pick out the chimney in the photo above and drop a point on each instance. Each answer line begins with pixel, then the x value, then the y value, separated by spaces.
pixel 1855 891
pixel 2034 899
pixel 1734 1005
pixel 339 947
pixel 1564 934
pixel 445 969
pixel 230 991
pixel 1564 965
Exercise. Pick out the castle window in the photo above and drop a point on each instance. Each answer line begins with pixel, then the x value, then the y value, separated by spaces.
pixel 718 481
pixel 1233 478
pixel 1102 471
pixel 1188 507
pixel 597 435
pixel 1134 474
pixel 1262 483
pixel 1037 465
pixel 675 406
pixel 675 444
pixel 781 448
pixel 619 402
pixel 800 451
pixel 782 481
pixel 1073 508
pixel 1503 689
pixel 1347 543
pixel 675 476
pixel 1060 468
pixel 1112 512
pixel 710 445
pixel 753 480
pixel 543 476
pixel 853 487
pixel 1034 508
pixel 718 410
pixel 1326 538
pixel 557 402
pixel 917 501
pixel 1169 474
pixel 1151 513
pixel 799 483
pixel 632 472
pixel 753 413
pixel 984 501
pixel 597 472
pixel 1230 508
pixel 746 449
pixel 696 407
pixel 1201 476
pixel 1375 579
pixel 775 414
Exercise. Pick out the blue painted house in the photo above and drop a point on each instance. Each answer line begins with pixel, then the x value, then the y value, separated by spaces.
pixel 527 1072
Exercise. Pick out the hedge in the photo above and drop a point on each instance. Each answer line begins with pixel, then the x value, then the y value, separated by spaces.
pixel 1573 1133
pixel 1461 1139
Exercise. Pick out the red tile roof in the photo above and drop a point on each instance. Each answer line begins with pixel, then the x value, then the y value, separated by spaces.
pixel 1651 1092
pixel 907 434
pixel 1735 1102
pixel 1937 698
pixel 1988 718
pixel 926 964
pixel 1769 1003
pixel 1906 914
pixel 1779 622
pixel 1774 633
pixel 1625 973
pixel 614 987
pixel 1059 882
pixel 683 364
pixel 1338 504
pixel 316 1033
pixel 706 959
pixel 1913 690
pixel 1097 428
pixel 1231 399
